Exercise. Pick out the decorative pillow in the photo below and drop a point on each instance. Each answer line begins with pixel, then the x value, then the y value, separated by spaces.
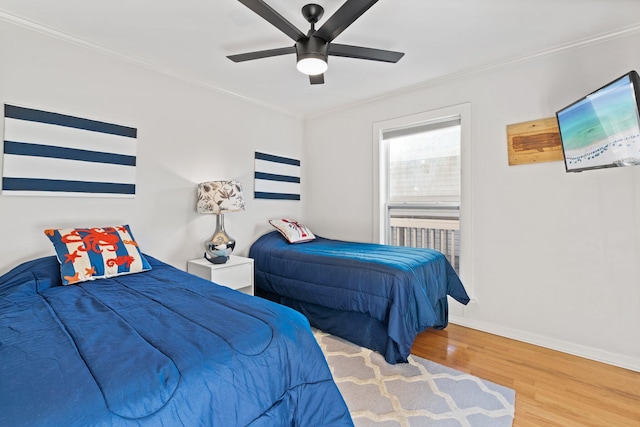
pixel 96 253
pixel 293 231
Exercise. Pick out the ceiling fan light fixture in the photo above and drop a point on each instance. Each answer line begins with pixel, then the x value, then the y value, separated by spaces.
pixel 312 53
pixel 312 64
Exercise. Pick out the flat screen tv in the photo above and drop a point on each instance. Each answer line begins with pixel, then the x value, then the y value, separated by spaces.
pixel 602 129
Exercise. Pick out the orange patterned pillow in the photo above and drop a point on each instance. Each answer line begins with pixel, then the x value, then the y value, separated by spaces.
pixel 96 253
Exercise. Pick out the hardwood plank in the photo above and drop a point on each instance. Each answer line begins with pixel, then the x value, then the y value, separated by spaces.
pixel 552 388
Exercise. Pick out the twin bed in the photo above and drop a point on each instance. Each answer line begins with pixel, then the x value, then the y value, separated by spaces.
pixel 377 296
pixel 156 348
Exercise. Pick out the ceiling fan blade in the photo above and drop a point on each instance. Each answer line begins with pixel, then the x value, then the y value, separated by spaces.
pixel 273 17
pixel 318 79
pixel 360 52
pixel 262 54
pixel 345 16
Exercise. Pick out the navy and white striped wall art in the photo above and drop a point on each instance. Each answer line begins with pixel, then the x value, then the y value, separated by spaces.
pixel 276 177
pixel 54 154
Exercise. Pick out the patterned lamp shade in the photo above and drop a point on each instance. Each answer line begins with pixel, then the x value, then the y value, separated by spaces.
pixel 219 197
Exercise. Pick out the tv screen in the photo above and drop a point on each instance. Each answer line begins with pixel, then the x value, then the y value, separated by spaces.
pixel 602 129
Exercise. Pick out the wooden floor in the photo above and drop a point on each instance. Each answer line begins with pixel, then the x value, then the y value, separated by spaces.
pixel 552 388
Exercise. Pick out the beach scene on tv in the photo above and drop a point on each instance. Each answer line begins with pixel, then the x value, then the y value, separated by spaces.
pixel 602 129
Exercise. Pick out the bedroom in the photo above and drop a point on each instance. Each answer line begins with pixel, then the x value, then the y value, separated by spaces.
pixel 549 265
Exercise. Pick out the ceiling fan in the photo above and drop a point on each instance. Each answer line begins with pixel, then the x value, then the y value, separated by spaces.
pixel 312 49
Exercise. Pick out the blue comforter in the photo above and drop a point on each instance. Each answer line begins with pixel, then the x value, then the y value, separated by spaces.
pixel 159 348
pixel 404 289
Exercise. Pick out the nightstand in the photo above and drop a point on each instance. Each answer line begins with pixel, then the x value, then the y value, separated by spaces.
pixel 237 273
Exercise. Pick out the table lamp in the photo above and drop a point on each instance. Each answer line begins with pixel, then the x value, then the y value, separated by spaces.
pixel 219 197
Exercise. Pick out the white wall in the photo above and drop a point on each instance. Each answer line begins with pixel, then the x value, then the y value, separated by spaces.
pixel 555 256
pixel 186 134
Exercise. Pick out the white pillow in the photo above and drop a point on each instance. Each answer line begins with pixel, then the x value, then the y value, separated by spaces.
pixel 293 231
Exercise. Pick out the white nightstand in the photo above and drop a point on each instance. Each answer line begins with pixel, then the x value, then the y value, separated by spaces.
pixel 237 273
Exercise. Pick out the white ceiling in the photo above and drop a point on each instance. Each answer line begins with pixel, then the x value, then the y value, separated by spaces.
pixel 190 39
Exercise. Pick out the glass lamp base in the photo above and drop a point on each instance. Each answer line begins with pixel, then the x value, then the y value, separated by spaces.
pixel 219 247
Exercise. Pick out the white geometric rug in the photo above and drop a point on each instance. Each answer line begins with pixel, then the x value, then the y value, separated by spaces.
pixel 414 394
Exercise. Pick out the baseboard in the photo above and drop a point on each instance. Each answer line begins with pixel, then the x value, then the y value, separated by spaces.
pixel 591 353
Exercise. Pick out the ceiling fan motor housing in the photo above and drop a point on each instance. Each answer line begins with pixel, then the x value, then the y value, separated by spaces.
pixel 312 47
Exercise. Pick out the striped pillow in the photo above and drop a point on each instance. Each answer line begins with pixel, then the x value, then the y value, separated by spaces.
pixel 96 253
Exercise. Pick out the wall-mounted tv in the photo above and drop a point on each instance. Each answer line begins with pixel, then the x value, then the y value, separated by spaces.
pixel 602 129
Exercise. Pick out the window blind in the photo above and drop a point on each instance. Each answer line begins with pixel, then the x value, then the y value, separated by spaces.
pixel 424 164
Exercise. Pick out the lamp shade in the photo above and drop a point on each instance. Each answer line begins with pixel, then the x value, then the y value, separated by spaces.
pixel 219 197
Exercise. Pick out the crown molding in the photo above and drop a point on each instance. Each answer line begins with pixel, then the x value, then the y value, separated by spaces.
pixel 574 45
pixel 69 38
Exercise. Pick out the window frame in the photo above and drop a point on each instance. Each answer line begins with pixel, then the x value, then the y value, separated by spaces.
pixel 380 174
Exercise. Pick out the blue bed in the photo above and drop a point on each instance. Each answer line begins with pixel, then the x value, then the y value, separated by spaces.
pixel 157 348
pixel 377 296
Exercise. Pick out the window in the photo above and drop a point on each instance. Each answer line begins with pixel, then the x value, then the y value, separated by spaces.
pixel 419 172
pixel 423 198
